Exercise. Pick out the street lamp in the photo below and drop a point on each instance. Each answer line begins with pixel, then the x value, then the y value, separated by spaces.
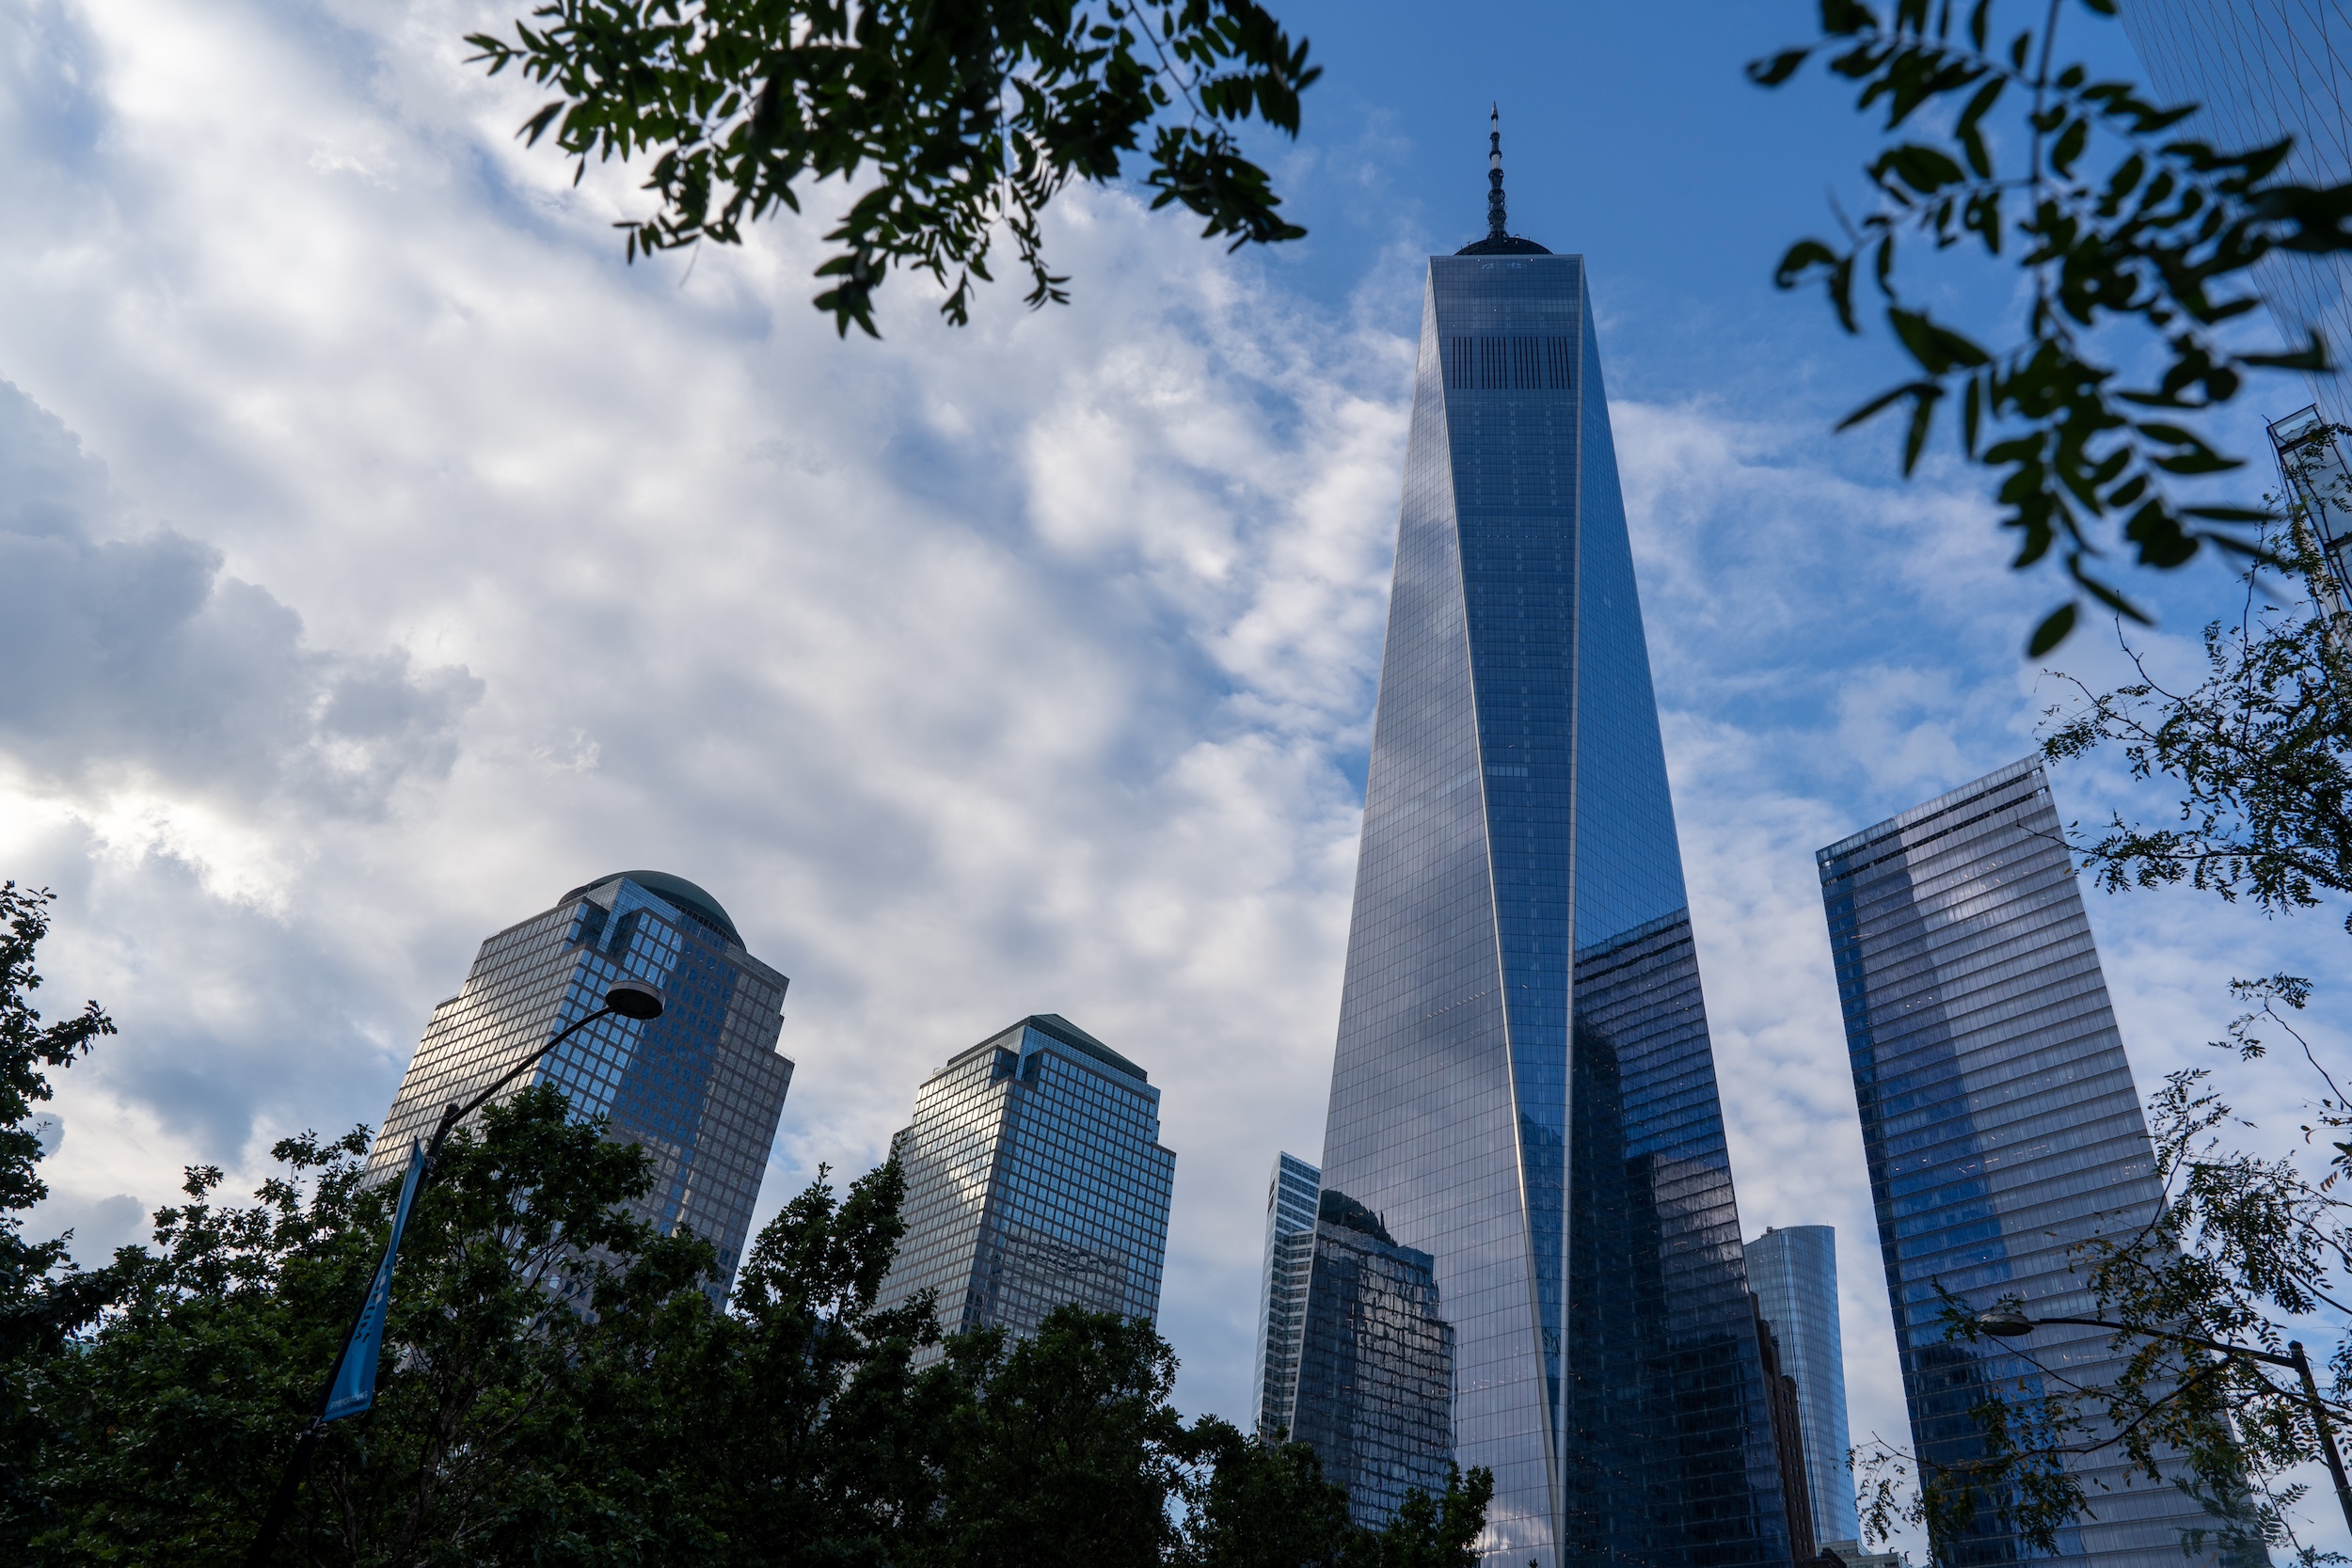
pixel 351 1387
pixel 2007 1323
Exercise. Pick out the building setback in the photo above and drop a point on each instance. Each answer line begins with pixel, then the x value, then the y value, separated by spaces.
pixel 699 1088
pixel 1523 1087
pixel 1793 1272
pixel 2000 1122
pixel 1034 1179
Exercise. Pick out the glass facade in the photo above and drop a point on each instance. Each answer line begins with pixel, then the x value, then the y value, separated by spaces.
pixel 700 1088
pixel 1034 1179
pixel 1793 1273
pixel 1291 1193
pixel 2266 70
pixel 1375 1389
pixel 1523 1086
pixel 2000 1121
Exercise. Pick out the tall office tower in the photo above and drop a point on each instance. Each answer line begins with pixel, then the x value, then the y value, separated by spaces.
pixel 1520 885
pixel 1034 1179
pixel 1793 1272
pixel 2266 70
pixel 699 1088
pixel 1375 1389
pixel 1291 1195
pixel 1999 1120
pixel 1780 1398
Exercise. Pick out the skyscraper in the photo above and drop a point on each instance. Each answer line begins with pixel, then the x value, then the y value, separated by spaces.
pixel 699 1088
pixel 1291 1193
pixel 1375 1385
pixel 1999 1118
pixel 2266 70
pixel 1793 1272
pixel 1034 1179
pixel 1780 1399
pixel 1520 887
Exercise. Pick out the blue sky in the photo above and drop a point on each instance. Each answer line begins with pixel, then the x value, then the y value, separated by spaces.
pixel 388 557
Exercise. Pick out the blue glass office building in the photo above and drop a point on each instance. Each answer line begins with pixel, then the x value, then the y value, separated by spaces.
pixel 1524 1087
pixel 1035 1180
pixel 1291 1193
pixel 1375 1386
pixel 700 1088
pixel 1793 1272
pixel 2266 70
pixel 2000 1121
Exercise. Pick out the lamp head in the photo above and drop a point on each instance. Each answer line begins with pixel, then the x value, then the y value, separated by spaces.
pixel 2004 1322
pixel 634 999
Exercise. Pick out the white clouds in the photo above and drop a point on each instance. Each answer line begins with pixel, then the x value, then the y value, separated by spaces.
pixel 980 673
pixel 160 703
pixel 1021 667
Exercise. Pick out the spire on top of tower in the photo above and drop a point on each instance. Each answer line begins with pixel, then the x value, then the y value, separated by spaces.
pixel 1497 229
pixel 1499 239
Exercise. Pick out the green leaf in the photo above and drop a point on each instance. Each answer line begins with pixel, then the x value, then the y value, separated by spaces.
pixel 1773 71
pixel 2054 629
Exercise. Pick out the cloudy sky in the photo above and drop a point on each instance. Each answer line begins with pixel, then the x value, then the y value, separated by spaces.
pixel 383 556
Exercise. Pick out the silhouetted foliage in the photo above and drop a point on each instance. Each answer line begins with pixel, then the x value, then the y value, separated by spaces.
pixel 956 118
pixel 2084 191
pixel 560 1383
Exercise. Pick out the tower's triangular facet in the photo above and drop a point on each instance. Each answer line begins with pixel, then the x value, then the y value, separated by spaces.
pixel 1524 1087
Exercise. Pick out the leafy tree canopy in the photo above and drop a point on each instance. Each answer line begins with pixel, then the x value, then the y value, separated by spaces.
pixel 957 119
pixel 561 1385
pixel 1997 145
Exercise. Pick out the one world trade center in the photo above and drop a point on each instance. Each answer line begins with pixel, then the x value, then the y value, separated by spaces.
pixel 1524 1088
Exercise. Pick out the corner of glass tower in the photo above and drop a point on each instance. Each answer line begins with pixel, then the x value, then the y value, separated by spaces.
pixel 1523 1086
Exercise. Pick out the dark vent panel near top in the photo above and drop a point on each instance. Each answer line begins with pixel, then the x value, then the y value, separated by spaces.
pixel 1510 364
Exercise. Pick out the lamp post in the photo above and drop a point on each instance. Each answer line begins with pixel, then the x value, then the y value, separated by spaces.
pixel 2009 1323
pixel 350 1387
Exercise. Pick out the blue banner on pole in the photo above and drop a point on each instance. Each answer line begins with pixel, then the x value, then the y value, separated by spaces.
pixel 354 1389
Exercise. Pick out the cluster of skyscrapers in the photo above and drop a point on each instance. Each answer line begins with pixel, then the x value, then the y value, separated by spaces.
pixel 1521 1248
pixel 1034 1170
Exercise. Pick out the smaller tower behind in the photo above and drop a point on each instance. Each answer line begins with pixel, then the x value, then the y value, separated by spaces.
pixel 699 1088
pixel 1290 1250
pixel 1034 1179
pixel 1373 1393
pixel 1793 1273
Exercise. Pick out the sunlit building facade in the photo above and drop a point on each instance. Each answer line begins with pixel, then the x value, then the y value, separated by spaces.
pixel 1793 1272
pixel 1523 1087
pixel 1035 1180
pixel 2265 70
pixel 699 1088
pixel 2001 1125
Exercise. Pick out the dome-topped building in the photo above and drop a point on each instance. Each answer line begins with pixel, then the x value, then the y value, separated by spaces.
pixel 699 1088
pixel 690 899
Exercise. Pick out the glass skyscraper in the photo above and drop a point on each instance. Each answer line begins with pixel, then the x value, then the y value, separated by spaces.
pixel 2000 1122
pixel 2266 70
pixel 1291 1193
pixel 1034 1179
pixel 1523 1087
pixel 1793 1272
pixel 1375 1387
pixel 699 1088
